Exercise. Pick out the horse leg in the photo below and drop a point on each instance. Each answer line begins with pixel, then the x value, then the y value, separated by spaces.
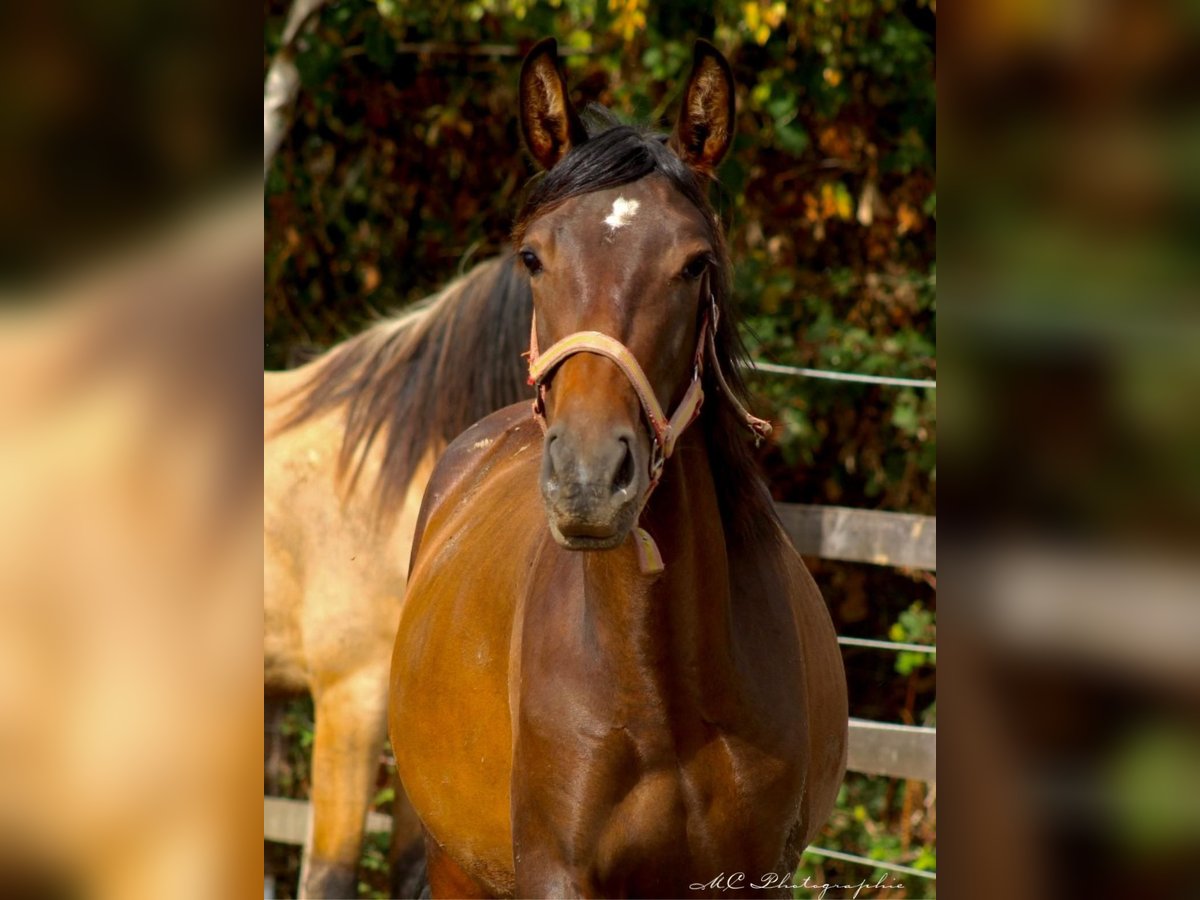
pixel 406 858
pixel 447 878
pixel 350 728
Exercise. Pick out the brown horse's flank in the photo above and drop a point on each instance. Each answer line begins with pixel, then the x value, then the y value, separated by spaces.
pixel 564 724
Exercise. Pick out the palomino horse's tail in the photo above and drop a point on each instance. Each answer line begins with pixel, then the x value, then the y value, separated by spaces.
pixel 417 380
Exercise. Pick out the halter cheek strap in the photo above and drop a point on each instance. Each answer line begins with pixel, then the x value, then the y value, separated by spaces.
pixel 664 431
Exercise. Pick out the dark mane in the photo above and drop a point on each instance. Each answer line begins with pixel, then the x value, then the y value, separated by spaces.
pixel 421 378
pixel 617 154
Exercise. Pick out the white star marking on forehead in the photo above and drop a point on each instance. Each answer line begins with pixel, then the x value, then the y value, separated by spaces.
pixel 622 211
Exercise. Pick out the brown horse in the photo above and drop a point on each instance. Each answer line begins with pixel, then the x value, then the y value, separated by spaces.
pixel 349 443
pixel 596 690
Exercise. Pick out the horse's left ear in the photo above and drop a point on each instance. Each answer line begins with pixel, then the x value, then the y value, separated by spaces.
pixel 549 122
pixel 705 127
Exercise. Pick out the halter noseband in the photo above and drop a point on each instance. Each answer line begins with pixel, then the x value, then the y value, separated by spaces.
pixel 664 431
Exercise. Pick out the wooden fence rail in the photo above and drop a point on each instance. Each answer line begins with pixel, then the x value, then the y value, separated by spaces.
pixel 898 751
pixel 861 535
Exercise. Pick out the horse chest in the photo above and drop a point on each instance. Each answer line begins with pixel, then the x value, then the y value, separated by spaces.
pixel 669 764
pixel 720 807
pixel 651 806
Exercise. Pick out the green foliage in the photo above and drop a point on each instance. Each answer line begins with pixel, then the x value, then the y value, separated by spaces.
pixel 915 626
pixel 879 819
pixel 373 878
pixel 292 768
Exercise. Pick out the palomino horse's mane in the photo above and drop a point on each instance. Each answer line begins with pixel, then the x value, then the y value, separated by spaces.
pixel 419 379
pixel 617 154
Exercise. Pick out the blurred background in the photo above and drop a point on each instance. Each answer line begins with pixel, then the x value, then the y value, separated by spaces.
pixel 401 166
pixel 130 485
pixel 1070 335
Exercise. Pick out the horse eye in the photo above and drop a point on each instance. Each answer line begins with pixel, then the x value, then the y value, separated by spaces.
pixel 695 268
pixel 531 261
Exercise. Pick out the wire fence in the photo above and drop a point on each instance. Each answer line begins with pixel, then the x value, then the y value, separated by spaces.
pixel 800 372
pixel 898 646
pixel 887 866
pixel 895 646
pixel 874 863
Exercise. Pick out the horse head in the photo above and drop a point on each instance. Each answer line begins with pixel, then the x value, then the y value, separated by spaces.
pixel 624 254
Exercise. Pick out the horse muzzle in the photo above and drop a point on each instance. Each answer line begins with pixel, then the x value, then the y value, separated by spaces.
pixel 591 492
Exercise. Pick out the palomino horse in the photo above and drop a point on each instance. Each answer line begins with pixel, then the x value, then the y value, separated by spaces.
pixel 349 444
pixel 613 675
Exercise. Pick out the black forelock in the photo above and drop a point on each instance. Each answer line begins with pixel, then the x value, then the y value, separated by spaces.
pixel 614 154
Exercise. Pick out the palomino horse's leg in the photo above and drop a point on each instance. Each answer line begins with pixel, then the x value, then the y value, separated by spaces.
pixel 350 728
pixel 446 877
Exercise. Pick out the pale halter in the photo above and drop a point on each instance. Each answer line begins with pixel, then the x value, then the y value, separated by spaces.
pixel 664 431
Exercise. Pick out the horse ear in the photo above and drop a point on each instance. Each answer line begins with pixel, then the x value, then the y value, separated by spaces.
pixel 549 122
pixel 705 127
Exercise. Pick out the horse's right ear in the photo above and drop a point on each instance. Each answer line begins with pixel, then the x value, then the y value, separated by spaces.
pixel 549 122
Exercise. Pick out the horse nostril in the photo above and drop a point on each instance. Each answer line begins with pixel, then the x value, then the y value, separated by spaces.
pixel 550 465
pixel 552 454
pixel 625 470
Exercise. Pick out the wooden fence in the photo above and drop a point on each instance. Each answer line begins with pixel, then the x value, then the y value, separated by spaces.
pixel 828 532
pixel 885 539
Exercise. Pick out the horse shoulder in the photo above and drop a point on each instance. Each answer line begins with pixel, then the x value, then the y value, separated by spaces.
pixel 470 457
pixel 449 709
pixel 825 698
pixel 785 628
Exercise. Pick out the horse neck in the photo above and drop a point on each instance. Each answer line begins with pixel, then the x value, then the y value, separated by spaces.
pixel 681 617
